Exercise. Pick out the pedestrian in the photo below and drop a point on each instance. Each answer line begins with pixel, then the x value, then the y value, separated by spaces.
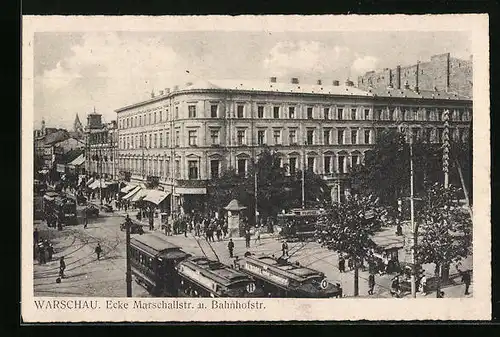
pixel 257 235
pixel 230 247
pixel 399 230
pixel 219 232
pixel 340 290
pixel 151 226
pixel 98 251
pixel 62 267
pixel 440 294
pixel 342 264
pixel 247 238
pixel 371 284
pixel 466 279
pixel 395 286
pixel 41 254
pixel 36 236
pixel 50 251
pixel 423 285
pixel 284 248
pixel 184 225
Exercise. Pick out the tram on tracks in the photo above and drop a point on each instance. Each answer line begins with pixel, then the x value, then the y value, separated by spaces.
pixel 59 209
pixel 299 224
pixel 202 277
pixel 153 261
pixel 165 270
pixel 280 278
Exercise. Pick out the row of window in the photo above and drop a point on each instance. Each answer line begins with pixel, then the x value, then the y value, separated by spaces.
pixel 161 168
pixel 155 140
pixel 325 113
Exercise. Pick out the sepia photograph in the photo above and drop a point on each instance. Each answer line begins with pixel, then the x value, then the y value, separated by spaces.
pixel 261 168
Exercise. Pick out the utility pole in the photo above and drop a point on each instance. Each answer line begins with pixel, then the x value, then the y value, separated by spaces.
pixel 304 178
pixel 446 146
pixel 255 194
pixel 412 222
pixel 99 163
pixel 128 276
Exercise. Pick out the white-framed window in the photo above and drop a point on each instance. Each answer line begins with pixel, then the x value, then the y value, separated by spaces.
pixel 192 111
pixel 240 136
pixel 326 113
pixel 276 112
pixel 277 137
pixel 214 168
pixel 261 134
pixel 354 136
pixel 340 114
pixel 340 136
pixel 327 164
pixel 240 111
pixel 214 110
pixel 192 137
pixel 292 165
pixel 260 111
pixel 291 112
pixel 326 136
pixel 353 114
pixel 309 113
pixel 310 137
pixel 193 169
pixel 214 136
pixel 292 136
pixel 367 137
pixel 367 114
pixel 242 167
pixel 311 164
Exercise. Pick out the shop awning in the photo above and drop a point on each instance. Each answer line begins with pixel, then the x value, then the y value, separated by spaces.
pixel 141 194
pixel 131 193
pixel 155 196
pixel 43 171
pixel 78 161
pixel 127 188
pixel 98 184
pixel 91 180
pixel 190 190
pixel 388 239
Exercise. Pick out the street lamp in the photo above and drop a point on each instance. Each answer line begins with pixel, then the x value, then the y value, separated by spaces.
pixel 304 177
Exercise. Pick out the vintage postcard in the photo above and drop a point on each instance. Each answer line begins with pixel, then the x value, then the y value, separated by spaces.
pixel 255 168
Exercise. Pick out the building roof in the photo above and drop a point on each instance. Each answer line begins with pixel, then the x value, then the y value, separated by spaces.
pixel 56 137
pixel 422 94
pixel 282 87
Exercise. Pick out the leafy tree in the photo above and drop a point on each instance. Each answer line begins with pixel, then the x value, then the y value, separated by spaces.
pixel 228 186
pixel 348 227
pixel 445 230
pixel 386 169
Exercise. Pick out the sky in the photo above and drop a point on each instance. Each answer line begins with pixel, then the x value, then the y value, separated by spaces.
pixel 77 72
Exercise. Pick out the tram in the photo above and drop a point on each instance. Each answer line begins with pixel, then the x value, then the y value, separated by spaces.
pixel 202 277
pixel 299 224
pixel 153 261
pixel 166 271
pixel 59 209
pixel 280 278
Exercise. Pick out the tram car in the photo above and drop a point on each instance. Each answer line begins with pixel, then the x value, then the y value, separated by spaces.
pixel 202 277
pixel 299 224
pixel 167 271
pixel 153 261
pixel 280 278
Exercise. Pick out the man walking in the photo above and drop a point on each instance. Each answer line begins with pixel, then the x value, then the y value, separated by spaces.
pixel 247 238
pixel 62 267
pixel 230 247
pixel 371 284
pixel 466 280
pixel 284 248
pixel 257 235
pixel 98 251
pixel 342 264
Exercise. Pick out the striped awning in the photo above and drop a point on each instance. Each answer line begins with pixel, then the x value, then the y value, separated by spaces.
pixel 131 193
pixel 141 194
pixel 155 196
pixel 127 188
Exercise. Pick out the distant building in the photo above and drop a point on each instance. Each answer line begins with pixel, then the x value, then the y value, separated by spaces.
pixel 78 129
pixel 101 147
pixel 188 135
pixel 441 73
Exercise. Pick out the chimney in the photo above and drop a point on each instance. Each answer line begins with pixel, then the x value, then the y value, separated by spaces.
pixel 336 83
pixel 176 87
pixel 398 77
pixel 416 77
pixel 152 94
pixel 161 92
pixel 167 90
pixel 295 80
pixel 273 79
pixel 349 83
pixel 319 82
pixel 407 86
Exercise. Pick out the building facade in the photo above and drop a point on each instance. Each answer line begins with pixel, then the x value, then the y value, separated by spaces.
pixel 101 147
pixel 189 135
pixel 441 73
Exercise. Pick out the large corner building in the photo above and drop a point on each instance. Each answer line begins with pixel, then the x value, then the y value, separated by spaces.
pixel 187 135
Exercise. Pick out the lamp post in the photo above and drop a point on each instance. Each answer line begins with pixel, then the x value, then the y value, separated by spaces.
pixel 99 166
pixel 128 275
pixel 304 177
pixel 407 129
